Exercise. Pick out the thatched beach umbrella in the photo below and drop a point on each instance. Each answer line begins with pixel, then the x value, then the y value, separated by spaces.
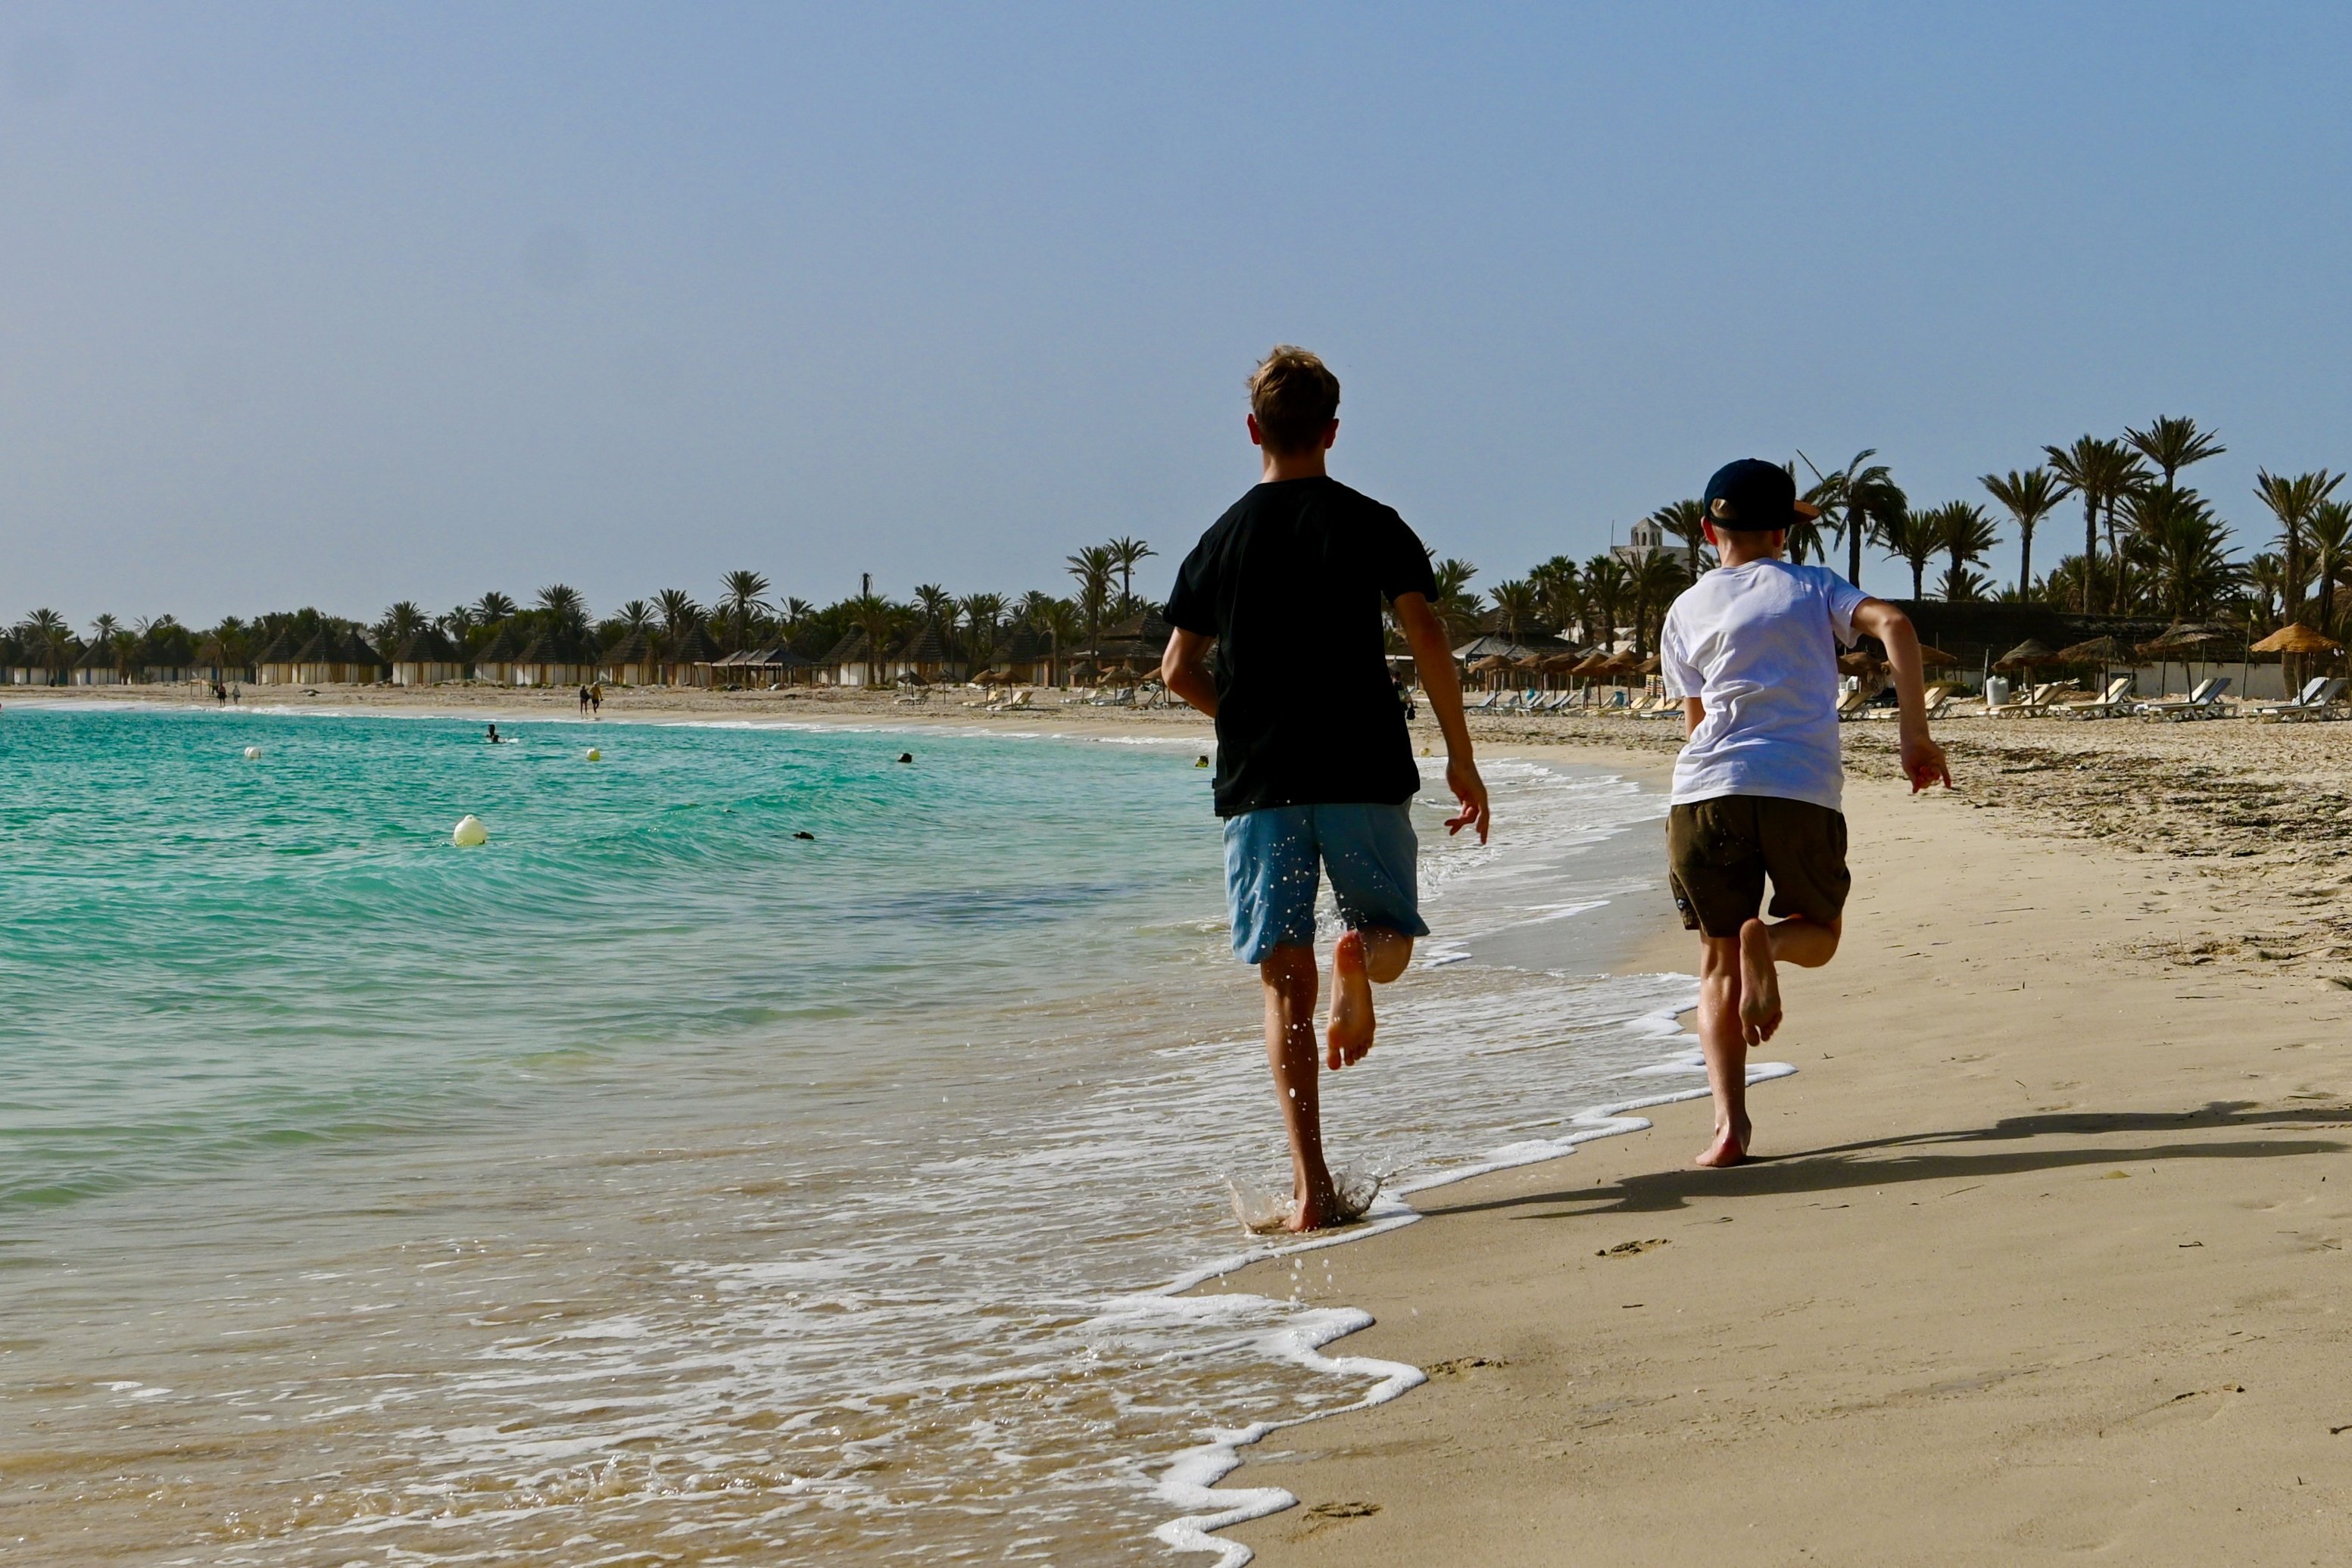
pixel 1931 656
pixel 2184 642
pixel 1859 664
pixel 2297 640
pixel 2105 651
pixel 2025 655
pixel 2294 637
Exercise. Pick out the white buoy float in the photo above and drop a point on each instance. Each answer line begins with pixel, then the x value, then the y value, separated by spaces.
pixel 253 754
pixel 594 755
pixel 469 833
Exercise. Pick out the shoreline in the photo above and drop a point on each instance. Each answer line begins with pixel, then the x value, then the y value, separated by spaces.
pixel 1993 1366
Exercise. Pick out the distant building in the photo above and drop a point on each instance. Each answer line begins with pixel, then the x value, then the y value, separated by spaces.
pixel 1648 540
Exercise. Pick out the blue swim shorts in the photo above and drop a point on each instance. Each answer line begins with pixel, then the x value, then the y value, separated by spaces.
pixel 1271 860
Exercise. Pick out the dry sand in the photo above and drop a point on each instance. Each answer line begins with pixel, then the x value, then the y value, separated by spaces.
pixel 2046 1255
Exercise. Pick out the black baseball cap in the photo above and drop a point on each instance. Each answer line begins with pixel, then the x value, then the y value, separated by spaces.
pixel 1757 496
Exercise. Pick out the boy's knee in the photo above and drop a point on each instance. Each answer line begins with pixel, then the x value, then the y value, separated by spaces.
pixel 1288 968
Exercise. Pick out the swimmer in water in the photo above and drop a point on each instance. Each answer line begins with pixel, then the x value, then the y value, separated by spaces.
pixel 493 736
pixel 906 756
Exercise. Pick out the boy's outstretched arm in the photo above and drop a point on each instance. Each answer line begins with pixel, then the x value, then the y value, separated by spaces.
pixel 1184 669
pixel 1433 657
pixel 1923 759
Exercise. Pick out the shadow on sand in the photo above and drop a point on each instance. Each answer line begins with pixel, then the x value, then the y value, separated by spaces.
pixel 1949 1156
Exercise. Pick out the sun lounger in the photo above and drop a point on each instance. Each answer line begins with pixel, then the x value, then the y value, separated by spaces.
pixel 2320 695
pixel 2032 705
pixel 1482 703
pixel 1664 706
pixel 2114 704
pixel 1939 699
pixel 1851 704
pixel 2204 702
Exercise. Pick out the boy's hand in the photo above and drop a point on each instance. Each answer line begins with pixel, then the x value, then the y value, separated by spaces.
pixel 1462 778
pixel 1924 763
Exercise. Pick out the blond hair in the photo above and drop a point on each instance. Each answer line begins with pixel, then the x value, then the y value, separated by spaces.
pixel 1295 396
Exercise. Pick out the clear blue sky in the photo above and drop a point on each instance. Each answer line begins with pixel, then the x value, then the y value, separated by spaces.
pixel 342 303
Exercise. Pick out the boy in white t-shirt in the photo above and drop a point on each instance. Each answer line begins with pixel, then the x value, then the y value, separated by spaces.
pixel 1751 648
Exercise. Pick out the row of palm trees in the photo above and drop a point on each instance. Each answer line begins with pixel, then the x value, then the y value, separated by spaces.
pixel 746 613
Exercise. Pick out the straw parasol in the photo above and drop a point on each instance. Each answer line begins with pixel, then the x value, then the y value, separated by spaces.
pixel 1929 655
pixel 2184 642
pixel 2294 637
pixel 1858 663
pixel 2294 640
pixel 1650 666
pixel 1492 664
pixel 2101 651
pixel 2026 654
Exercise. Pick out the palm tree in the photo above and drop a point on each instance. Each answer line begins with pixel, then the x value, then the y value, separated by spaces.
pixel 2172 445
pixel 401 621
pixel 1685 520
pixel 879 620
pixel 1560 592
pixel 49 631
pixel 635 616
pixel 458 620
pixel 1857 500
pixel 2183 550
pixel 2028 498
pixel 493 606
pixel 1457 606
pixel 102 629
pixel 938 608
pixel 2266 583
pixel 678 611
pixel 1967 536
pixel 1093 567
pixel 1912 538
pixel 1515 606
pixel 744 594
pixel 1127 555
pixel 1655 581
pixel 2293 501
pixel 1607 586
pixel 982 614
pixel 2102 473
pixel 2330 535
pixel 566 614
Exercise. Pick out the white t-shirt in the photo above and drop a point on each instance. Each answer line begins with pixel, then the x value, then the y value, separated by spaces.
pixel 1758 645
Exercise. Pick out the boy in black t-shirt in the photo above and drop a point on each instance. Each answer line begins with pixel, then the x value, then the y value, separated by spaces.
pixel 1313 762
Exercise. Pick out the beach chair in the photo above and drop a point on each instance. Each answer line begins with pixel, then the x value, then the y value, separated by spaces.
pixel 2033 704
pixel 1482 703
pixel 1851 704
pixel 2113 703
pixel 1939 699
pixel 2319 697
pixel 2204 702
pixel 1664 706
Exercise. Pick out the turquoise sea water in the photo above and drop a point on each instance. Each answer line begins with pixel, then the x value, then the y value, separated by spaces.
pixel 654 1185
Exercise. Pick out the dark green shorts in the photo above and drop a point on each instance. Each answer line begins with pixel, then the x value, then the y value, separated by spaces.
pixel 1719 851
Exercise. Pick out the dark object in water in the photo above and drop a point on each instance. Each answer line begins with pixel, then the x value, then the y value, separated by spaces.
pixel 811 836
pixel 906 756
pixel 1199 762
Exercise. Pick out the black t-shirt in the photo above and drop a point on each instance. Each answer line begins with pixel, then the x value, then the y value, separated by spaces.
pixel 1290 581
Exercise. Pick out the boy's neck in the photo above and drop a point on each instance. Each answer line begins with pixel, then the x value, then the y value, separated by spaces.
pixel 1275 466
pixel 1736 548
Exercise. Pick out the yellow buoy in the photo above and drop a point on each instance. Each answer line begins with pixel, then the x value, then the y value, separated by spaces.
pixel 469 833
pixel 253 754
pixel 594 755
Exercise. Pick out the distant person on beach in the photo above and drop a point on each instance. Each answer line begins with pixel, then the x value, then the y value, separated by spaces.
pixel 1751 648
pixel 584 702
pixel 1314 763
pixel 596 701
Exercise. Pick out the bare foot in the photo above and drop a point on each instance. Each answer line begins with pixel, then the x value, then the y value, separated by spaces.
pixel 1729 1149
pixel 1351 1033
pixel 1759 984
pixel 1315 1206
